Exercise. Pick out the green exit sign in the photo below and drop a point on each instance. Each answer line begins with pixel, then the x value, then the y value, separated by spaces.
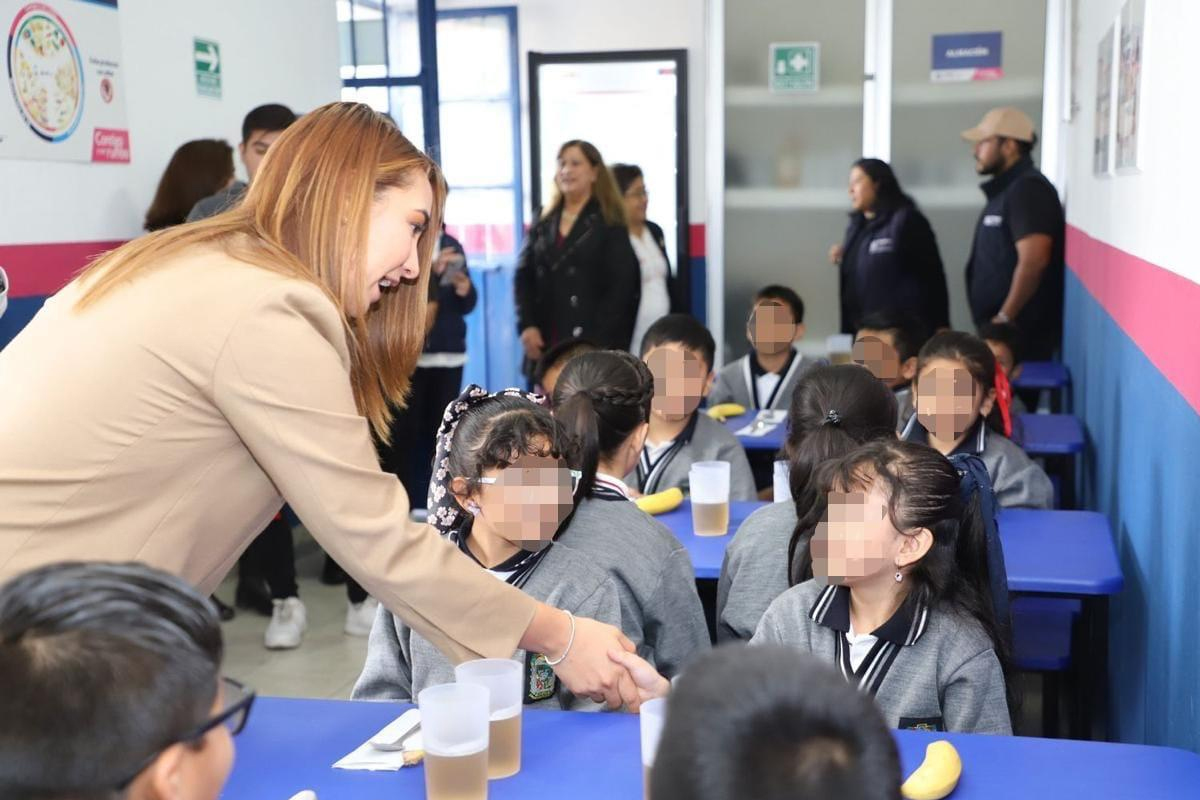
pixel 206 57
pixel 795 66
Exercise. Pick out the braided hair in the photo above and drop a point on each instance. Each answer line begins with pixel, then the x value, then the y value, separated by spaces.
pixel 601 399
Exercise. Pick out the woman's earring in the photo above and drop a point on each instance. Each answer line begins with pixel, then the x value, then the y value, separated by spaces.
pixel 899 576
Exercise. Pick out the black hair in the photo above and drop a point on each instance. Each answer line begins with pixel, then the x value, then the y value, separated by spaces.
pixel 1006 334
pixel 923 491
pixel 601 399
pixel 270 118
pixel 865 410
pixel 103 665
pixel 560 354
pixel 909 332
pixel 493 433
pixel 1024 149
pixel 625 175
pixel 784 295
pixel 768 722
pixel 682 329
pixel 975 355
pixel 888 194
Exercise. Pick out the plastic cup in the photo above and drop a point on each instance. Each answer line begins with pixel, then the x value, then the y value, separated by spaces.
pixel 708 482
pixel 454 729
pixel 653 715
pixel 840 347
pixel 504 679
pixel 781 477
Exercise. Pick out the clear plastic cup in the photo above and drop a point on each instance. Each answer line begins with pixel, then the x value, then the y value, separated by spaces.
pixel 708 483
pixel 504 680
pixel 454 729
pixel 781 476
pixel 653 714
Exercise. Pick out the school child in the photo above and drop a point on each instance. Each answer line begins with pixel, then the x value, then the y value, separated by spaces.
pixel 1007 344
pixel 962 401
pixel 679 352
pixel 603 401
pixel 900 601
pixel 887 344
pixel 503 493
pixel 765 378
pixel 835 409
pixel 553 361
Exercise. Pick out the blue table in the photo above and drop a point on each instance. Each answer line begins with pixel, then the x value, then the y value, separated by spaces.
pixel 290 745
pixel 707 552
pixel 1052 434
pixel 772 440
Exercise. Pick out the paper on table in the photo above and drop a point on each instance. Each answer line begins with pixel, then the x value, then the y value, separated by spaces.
pixel 367 757
pixel 764 422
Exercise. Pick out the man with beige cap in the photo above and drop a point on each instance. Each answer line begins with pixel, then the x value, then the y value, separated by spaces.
pixel 1015 272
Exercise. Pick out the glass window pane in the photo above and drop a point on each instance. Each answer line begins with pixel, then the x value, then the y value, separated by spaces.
pixel 374 96
pixel 403 38
pixel 484 221
pixel 477 143
pixel 407 111
pixel 474 58
pixel 366 33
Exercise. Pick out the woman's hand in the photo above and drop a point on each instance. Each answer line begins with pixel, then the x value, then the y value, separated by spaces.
pixel 443 259
pixel 588 670
pixel 650 685
pixel 835 254
pixel 461 283
pixel 532 341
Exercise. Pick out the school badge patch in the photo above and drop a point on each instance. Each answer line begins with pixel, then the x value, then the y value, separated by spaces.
pixel 540 680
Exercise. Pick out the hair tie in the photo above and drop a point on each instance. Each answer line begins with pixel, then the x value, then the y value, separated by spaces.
pixel 445 514
pixel 832 418
pixel 1004 399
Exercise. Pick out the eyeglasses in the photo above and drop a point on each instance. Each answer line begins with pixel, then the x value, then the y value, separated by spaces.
pixel 237 700
pixel 528 476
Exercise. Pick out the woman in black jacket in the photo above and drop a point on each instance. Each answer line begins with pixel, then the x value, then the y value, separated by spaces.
pixel 889 260
pixel 577 275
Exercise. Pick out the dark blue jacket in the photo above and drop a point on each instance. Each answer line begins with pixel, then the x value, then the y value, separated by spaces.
pixel 449 332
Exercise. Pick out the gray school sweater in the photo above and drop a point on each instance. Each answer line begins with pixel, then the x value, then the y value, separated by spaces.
pixel 401 662
pixel 735 379
pixel 656 582
pixel 904 407
pixel 710 441
pixel 755 570
pixel 929 670
pixel 1017 480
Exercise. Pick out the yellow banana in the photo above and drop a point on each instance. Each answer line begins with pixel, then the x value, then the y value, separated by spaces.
pixel 662 502
pixel 723 411
pixel 938 774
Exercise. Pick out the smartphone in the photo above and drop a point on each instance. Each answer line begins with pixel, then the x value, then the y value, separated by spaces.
pixel 457 266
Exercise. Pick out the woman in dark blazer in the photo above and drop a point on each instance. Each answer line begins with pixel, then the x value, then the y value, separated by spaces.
pixel 577 275
pixel 889 260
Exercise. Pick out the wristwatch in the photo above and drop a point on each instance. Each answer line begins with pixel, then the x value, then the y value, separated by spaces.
pixel 1002 317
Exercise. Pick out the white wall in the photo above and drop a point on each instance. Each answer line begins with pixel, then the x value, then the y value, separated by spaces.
pixel 271 51
pixel 557 26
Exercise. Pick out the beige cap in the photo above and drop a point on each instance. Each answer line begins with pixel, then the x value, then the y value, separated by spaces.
pixel 1009 122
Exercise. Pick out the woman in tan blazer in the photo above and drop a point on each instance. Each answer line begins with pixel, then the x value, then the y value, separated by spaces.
pixel 164 404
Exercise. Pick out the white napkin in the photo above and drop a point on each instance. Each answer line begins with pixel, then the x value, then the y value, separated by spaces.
pixel 366 757
pixel 764 422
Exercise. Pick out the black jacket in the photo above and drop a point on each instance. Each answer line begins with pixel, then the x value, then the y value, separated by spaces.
pixel 449 332
pixel 891 264
pixel 674 289
pixel 589 287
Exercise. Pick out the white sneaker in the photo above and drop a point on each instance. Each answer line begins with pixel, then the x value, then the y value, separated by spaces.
pixel 360 617
pixel 289 620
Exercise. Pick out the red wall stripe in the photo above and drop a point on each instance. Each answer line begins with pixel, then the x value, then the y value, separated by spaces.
pixel 36 270
pixel 1155 307
pixel 697 246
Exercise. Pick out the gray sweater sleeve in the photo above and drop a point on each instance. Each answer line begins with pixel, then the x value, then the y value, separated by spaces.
pixel 602 605
pixel 973 698
pixel 722 390
pixel 387 674
pixel 741 479
pixel 1018 480
pixel 675 626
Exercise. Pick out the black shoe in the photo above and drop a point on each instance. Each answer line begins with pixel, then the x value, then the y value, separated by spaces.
pixel 332 574
pixel 225 612
pixel 253 596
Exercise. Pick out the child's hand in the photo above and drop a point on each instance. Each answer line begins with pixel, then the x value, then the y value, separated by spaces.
pixel 650 684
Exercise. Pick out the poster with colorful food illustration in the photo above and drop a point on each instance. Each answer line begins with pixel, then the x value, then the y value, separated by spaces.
pixel 65 95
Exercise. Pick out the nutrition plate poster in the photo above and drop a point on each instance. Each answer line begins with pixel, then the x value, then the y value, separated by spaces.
pixel 63 97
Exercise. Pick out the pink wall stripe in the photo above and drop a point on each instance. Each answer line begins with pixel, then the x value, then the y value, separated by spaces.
pixel 36 270
pixel 1157 309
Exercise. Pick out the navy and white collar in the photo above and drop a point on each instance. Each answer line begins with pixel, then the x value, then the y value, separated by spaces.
pixel 608 487
pixel 650 472
pixel 904 628
pixel 972 444
pixel 752 370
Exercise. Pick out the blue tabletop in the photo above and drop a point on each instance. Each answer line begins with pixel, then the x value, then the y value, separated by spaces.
pixel 289 746
pixel 1051 434
pixel 1043 375
pixel 1054 552
pixel 772 440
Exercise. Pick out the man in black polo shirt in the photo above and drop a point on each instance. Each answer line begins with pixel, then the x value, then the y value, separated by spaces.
pixel 1015 272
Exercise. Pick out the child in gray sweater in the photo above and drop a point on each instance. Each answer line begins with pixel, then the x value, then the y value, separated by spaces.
pixel 901 554
pixel 603 400
pixel 503 493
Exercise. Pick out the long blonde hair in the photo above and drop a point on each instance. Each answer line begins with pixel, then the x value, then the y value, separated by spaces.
pixel 612 205
pixel 307 216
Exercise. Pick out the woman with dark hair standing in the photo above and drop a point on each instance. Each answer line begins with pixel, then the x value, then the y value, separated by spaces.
pixel 198 169
pixel 659 288
pixel 577 275
pixel 889 258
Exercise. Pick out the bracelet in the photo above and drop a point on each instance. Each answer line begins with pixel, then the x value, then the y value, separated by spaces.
pixel 570 641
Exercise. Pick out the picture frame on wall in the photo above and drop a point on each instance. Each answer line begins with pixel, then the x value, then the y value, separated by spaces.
pixel 1102 138
pixel 1129 75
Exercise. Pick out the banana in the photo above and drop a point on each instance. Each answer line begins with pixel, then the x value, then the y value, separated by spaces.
pixel 723 411
pixel 938 774
pixel 662 502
